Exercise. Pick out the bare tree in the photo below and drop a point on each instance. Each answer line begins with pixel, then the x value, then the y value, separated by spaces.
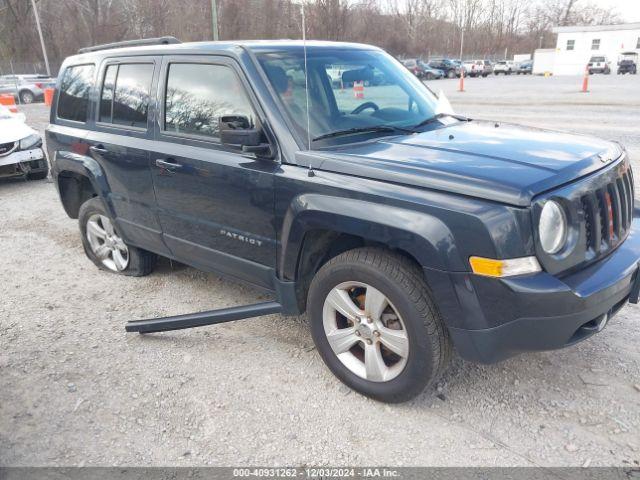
pixel 404 27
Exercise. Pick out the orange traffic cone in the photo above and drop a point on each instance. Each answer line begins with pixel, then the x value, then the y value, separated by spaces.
pixel 8 101
pixel 585 80
pixel 358 90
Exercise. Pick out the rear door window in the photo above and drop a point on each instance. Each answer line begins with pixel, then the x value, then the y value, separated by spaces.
pixel 73 101
pixel 125 95
pixel 198 94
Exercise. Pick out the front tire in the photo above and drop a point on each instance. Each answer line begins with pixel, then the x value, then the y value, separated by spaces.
pixel 104 247
pixel 375 325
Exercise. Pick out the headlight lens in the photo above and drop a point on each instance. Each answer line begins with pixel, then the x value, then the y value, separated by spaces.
pixel 552 227
pixel 29 141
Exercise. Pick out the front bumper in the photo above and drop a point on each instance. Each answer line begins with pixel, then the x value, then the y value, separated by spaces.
pixel 23 162
pixel 493 319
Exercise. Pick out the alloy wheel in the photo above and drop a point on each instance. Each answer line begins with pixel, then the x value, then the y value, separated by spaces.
pixel 365 331
pixel 105 244
pixel 26 97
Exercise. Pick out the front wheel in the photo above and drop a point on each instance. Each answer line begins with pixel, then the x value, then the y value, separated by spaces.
pixel 104 246
pixel 375 325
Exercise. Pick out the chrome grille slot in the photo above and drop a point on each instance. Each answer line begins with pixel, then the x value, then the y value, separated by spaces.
pixel 7 148
pixel 608 213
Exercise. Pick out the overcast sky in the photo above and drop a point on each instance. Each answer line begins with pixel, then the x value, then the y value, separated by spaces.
pixel 629 10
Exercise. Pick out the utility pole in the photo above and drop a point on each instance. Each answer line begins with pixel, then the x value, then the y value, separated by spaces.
pixel 461 86
pixel 541 39
pixel 44 50
pixel 214 19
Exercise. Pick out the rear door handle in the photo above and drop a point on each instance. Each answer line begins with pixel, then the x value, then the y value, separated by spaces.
pixel 98 149
pixel 168 164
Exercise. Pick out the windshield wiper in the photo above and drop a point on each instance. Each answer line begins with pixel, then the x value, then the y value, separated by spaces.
pixel 373 128
pixel 438 116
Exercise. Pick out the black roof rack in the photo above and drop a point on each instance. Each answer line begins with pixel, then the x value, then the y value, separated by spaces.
pixel 131 43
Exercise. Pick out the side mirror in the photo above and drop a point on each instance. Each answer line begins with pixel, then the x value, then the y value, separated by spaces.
pixel 236 132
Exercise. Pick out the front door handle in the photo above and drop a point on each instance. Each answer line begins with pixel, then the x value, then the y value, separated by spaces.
pixel 168 164
pixel 99 149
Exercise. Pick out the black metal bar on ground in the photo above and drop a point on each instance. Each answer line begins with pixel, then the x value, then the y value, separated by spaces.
pixel 202 319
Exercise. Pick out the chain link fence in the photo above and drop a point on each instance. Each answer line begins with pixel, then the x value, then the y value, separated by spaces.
pixel 10 67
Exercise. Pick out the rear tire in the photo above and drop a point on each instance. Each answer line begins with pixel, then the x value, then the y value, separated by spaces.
pixel 406 314
pixel 27 97
pixel 105 248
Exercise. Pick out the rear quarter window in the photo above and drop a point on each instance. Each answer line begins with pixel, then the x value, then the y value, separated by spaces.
pixel 73 99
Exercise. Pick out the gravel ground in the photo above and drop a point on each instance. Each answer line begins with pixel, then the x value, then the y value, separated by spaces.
pixel 76 390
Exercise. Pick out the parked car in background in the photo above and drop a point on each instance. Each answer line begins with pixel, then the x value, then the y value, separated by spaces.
pixel 449 67
pixel 525 68
pixel 477 68
pixel 599 64
pixel 26 88
pixel 413 66
pixel 628 63
pixel 21 153
pixel 506 67
pixel 431 73
pixel 422 70
pixel 488 68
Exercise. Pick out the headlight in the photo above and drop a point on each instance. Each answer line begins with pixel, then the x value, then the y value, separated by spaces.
pixel 30 141
pixel 552 227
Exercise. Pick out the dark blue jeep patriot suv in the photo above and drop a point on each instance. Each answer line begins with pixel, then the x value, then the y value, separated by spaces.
pixel 402 230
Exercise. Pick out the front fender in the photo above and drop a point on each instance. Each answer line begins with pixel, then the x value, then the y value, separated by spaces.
pixel 423 236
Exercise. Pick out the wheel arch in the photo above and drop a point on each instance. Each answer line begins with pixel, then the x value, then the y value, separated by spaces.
pixel 78 179
pixel 317 228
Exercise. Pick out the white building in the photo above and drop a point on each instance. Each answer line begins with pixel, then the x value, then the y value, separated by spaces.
pixel 544 60
pixel 576 45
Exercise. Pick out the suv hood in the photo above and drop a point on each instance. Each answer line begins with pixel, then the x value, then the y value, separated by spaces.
pixel 496 161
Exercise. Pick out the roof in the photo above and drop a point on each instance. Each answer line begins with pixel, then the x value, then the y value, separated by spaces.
pixel 228 46
pixel 596 28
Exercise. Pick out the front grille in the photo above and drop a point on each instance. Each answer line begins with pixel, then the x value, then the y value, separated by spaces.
pixel 608 213
pixel 6 148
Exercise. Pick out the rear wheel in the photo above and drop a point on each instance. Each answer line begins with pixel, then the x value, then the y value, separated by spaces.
pixel 104 246
pixel 375 325
pixel 27 97
pixel 451 74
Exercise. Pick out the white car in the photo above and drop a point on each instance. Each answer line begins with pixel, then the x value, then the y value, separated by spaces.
pixel 21 152
pixel 506 67
pixel 477 68
pixel 599 64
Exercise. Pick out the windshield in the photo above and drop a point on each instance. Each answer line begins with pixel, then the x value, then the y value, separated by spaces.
pixel 348 89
